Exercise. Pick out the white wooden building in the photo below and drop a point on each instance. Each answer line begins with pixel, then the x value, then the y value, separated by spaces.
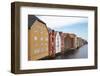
pixel 58 43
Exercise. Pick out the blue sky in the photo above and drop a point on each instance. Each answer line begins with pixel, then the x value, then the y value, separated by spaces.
pixel 76 25
pixel 79 28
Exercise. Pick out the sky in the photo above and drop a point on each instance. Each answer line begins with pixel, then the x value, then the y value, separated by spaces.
pixel 67 24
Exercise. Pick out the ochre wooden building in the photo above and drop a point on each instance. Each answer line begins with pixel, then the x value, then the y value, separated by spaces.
pixel 38 42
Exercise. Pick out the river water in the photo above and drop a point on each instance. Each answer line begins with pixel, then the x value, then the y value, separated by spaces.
pixel 82 52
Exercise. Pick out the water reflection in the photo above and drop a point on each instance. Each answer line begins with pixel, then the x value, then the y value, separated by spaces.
pixel 82 52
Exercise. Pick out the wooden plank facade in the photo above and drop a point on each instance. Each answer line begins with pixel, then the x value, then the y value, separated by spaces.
pixel 37 39
pixel 43 41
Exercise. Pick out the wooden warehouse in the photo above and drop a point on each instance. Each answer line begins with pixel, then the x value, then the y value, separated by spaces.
pixel 58 43
pixel 62 42
pixel 37 38
pixel 52 35
pixel 70 41
pixel 80 42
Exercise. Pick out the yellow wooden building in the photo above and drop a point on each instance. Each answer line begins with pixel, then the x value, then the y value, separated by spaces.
pixel 38 42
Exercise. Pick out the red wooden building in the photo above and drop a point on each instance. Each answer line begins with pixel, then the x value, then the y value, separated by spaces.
pixel 52 35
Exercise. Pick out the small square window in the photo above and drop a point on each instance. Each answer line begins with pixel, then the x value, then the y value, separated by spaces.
pixel 35 38
pixel 41 38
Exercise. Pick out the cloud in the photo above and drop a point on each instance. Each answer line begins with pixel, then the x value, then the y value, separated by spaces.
pixel 58 22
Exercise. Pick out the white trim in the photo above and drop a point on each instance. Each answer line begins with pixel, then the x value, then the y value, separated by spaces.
pixel 25 64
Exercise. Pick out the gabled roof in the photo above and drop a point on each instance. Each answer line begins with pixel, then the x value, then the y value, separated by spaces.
pixel 49 29
pixel 32 19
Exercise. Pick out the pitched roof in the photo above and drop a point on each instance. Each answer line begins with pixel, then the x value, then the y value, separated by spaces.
pixel 32 19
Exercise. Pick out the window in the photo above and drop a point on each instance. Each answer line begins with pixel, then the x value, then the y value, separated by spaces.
pixel 46 39
pixel 35 38
pixel 41 38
